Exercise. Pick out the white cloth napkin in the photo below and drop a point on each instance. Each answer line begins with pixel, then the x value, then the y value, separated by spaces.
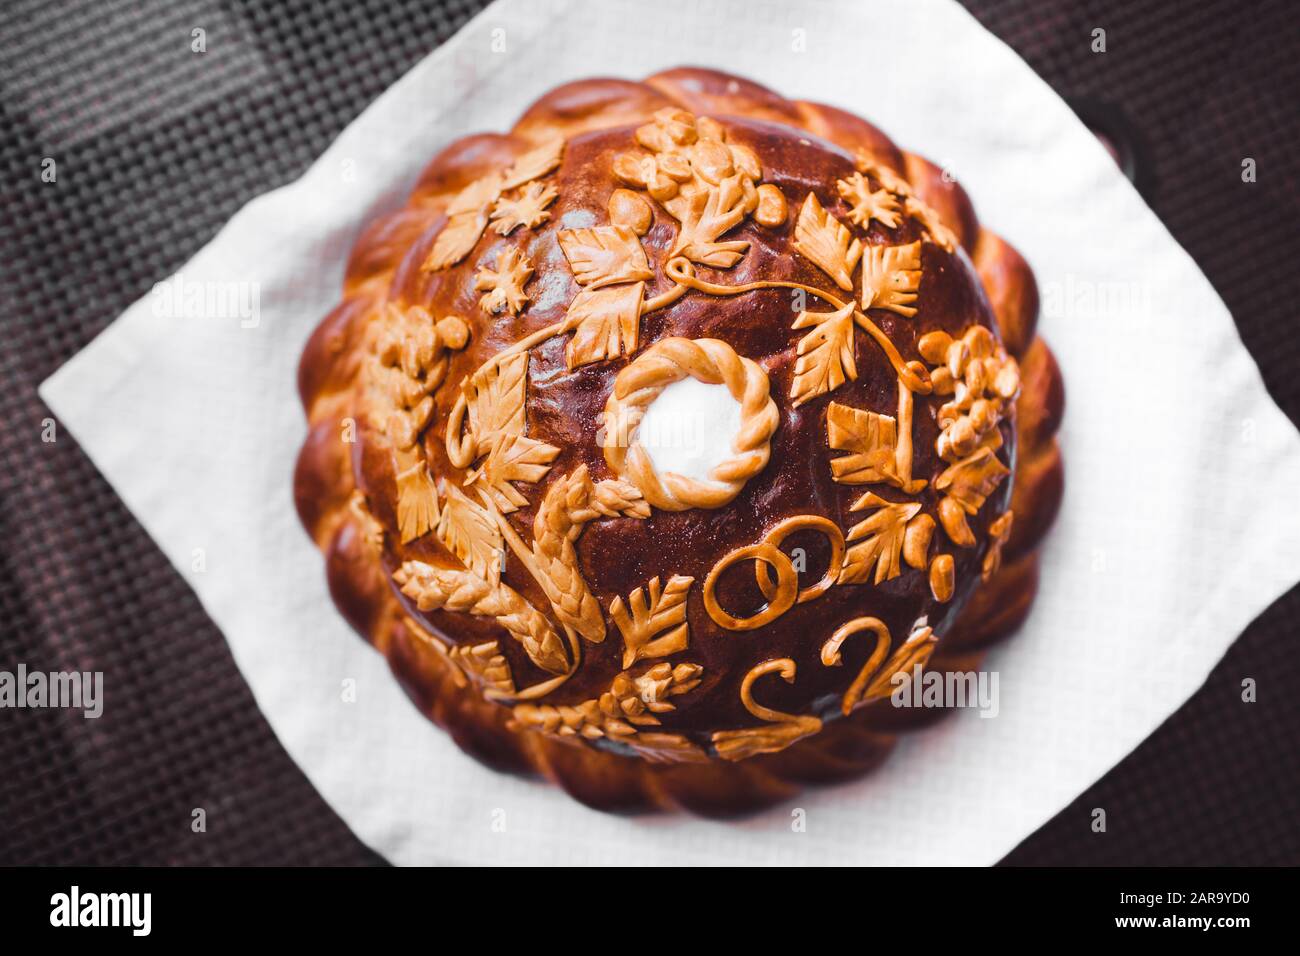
pixel 1171 539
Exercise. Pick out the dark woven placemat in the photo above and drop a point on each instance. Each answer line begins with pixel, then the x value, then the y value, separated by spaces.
pixel 156 147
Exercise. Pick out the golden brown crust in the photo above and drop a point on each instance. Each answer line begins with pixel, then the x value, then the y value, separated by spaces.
pixel 357 495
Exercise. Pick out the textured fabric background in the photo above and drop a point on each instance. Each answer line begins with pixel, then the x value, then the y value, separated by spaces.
pixel 157 147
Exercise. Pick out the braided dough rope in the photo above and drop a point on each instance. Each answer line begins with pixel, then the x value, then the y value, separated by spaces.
pixel 710 361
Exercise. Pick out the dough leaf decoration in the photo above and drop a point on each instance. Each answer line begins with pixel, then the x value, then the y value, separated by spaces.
pixel 467 213
pixel 610 263
pixel 527 209
pixel 604 255
pixel 606 323
pixel 534 164
pixel 825 354
pixel 503 286
pixel 880 540
pixel 407 363
pixel 707 216
pixel 827 242
pixel 866 204
pixel 497 393
pixel 512 458
pixel 417 502
pixel 467 216
pixel 913 205
pixel 890 277
pixel 661 682
pixel 888 179
pixel 663 614
pixel 871 439
pixel 469 532
pixel 879 446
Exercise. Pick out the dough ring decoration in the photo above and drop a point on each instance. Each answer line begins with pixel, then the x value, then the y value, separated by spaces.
pixel 654 630
pixel 640 383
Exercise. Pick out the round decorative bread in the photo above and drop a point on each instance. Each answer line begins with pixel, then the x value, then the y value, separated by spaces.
pixel 651 440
